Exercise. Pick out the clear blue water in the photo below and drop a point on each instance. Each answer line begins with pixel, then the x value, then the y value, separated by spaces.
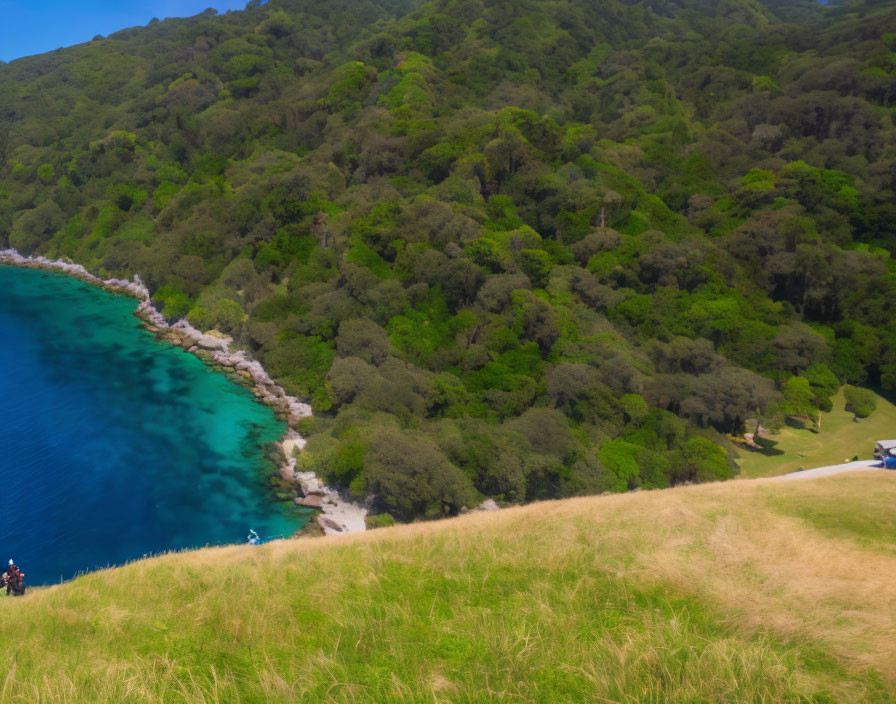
pixel 113 445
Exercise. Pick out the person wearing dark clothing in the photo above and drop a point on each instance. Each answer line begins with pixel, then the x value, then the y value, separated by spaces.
pixel 14 579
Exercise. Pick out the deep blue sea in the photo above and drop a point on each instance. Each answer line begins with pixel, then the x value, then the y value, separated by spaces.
pixel 113 445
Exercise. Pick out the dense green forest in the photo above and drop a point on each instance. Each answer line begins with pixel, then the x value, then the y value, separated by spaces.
pixel 510 249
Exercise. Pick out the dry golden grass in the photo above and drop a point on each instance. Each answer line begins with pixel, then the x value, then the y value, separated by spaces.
pixel 727 592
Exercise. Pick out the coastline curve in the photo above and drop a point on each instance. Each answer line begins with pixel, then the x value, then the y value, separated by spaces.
pixel 337 516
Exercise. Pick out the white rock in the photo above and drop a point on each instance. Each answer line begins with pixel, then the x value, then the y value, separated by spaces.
pixel 309 485
pixel 349 516
pixel 330 526
pixel 293 441
pixel 288 470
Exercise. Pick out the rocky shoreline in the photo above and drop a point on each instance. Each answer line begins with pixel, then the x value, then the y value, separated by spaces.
pixel 337 515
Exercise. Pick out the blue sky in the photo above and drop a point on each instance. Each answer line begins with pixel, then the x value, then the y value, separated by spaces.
pixel 35 26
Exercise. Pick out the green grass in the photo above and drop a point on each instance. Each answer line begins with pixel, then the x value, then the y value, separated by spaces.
pixel 839 441
pixel 869 520
pixel 731 592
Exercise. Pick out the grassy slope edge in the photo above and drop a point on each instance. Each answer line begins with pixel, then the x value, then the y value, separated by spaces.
pixel 749 591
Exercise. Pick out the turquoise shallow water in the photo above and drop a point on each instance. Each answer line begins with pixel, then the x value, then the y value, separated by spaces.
pixel 113 445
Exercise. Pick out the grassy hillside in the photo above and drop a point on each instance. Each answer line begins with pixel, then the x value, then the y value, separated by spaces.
pixel 749 591
pixel 840 440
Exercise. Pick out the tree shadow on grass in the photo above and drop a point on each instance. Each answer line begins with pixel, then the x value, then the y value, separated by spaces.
pixel 800 424
pixel 767 447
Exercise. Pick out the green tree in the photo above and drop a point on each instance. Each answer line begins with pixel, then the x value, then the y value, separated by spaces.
pixel 409 476
pixel 705 461
pixel 862 402
pixel 536 264
pixel 799 399
pixel 46 173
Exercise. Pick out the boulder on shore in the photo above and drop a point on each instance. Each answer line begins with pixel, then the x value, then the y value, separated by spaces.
pixel 308 482
pixel 311 501
pixel 330 526
pixel 288 470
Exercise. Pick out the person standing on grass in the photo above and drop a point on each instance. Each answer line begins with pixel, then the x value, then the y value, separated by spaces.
pixel 13 578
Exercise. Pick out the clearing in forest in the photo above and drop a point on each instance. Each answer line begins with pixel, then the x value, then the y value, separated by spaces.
pixel 839 441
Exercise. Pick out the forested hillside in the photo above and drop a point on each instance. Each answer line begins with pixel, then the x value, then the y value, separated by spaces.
pixel 514 249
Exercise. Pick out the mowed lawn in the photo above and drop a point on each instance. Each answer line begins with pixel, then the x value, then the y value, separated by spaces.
pixel 728 592
pixel 839 441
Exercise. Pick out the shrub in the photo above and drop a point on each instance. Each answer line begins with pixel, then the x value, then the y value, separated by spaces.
pixel 381 520
pixel 46 174
pixel 705 460
pixel 862 402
